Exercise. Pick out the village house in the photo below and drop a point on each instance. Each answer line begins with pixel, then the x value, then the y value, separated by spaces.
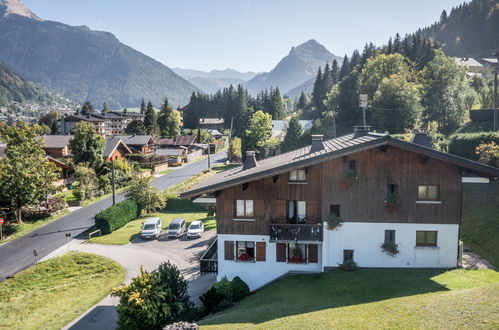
pixel 115 149
pixel 108 124
pixel 139 144
pixel 274 216
pixel 212 123
pixel 64 171
pixel 57 145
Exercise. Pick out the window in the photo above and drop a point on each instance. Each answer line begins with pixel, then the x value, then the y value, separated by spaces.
pixel 389 236
pixel 245 251
pixel 297 211
pixel 352 165
pixel 297 253
pixel 347 256
pixel 429 192
pixel 297 176
pixel 334 209
pixel 391 190
pixel 426 238
pixel 244 208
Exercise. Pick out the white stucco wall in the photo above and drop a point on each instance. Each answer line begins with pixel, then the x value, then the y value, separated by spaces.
pixel 365 239
pixel 257 274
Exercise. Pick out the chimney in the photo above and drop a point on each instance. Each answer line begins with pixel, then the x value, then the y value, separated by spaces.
pixel 422 139
pixel 317 144
pixel 250 161
pixel 361 130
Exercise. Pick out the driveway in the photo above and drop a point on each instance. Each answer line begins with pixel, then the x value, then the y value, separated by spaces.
pixel 184 253
pixel 17 255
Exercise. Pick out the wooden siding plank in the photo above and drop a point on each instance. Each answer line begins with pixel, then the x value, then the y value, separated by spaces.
pixel 260 251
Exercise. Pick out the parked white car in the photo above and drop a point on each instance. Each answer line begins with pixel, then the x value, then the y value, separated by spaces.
pixel 195 229
pixel 151 228
pixel 177 228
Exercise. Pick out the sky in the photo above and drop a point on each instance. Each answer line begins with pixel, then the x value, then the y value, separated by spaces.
pixel 246 35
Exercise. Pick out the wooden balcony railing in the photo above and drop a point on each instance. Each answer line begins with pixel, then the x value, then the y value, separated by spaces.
pixel 208 263
pixel 295 232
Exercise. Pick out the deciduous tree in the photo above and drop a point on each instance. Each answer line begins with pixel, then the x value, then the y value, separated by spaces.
pixel 87 146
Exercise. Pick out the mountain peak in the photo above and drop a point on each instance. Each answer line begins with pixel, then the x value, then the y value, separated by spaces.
pixel 16 7
pixel 310 46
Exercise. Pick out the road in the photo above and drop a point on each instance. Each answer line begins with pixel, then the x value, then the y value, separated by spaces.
pixel 18 254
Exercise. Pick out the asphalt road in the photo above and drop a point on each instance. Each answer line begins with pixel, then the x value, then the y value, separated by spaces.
pixel 18 254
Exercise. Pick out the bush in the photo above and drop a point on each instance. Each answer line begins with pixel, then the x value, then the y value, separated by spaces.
pixel 116 216
pixel 465 144
pixel 224 294
pixel 240 289
pixel 153 300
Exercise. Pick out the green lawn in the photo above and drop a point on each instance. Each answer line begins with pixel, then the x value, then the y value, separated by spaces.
pixel 132 229
pixel 164 172
pixel 480 220
pixel 13 231
pixel 370 299
pixel 57 291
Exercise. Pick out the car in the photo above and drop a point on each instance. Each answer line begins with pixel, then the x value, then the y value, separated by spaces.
pixel 151 228
pixel 195 229
pixel 176 228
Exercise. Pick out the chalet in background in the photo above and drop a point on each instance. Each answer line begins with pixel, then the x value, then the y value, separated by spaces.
pixel 274 216
pixel 116 149
pixel 111 123
pixel 57 145
pixel 212 124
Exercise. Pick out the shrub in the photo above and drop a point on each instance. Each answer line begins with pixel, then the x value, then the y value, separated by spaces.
pixel 390 248
pixel 333 222
pixel 465 144
pixel 147 197
pixel 116 216
pixel 218 297
pixel 240 289
pixel 153 300
pixel 348 265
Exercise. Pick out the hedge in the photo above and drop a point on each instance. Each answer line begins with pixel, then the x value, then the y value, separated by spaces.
pixel 464 144
pixel 117 216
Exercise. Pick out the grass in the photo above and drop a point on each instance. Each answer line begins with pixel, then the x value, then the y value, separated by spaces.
pixel 480 220
pixel 370 299
pixel 132 229
pixel 15 230
pixel 56 291
pixel 164 172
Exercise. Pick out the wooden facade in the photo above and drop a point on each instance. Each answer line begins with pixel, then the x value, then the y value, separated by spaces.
pixel 362 201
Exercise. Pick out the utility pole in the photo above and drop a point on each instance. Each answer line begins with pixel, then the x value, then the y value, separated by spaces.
pixel 209 154
pixel 495 91
pixel 114 192
pixel 334 121
pixel 363 105
pixel 230 138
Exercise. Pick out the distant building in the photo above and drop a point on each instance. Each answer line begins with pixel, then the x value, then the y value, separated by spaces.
pixel 57 145
pixel 473 66
pixel 109 124
pixel 142 144
pixel 279 128
pixel 211 123
pixel 116 150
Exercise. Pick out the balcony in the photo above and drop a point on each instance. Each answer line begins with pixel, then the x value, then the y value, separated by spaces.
pixel 295 232
pixel 208 263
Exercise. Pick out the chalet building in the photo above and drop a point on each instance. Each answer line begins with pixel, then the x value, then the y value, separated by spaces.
pixel 212 123
pixel 116 149
pixel 141 144
pixel 64 172
pixel 272 216
pixel 57 145
pixel 108 124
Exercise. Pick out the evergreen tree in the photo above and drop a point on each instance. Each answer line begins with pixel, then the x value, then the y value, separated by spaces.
pixel 443 17
pixel 317 91
pixel 335 71
pixel 142 107
pixel 169 121
pixel 105 108
pixel 136 127
pixel 87 108
pixel 345 68
pixel 125 110
pixel 277 105
pixel 302 101
pixel 294 136
pixel 389 46
pixel 397 44
pixel 150 119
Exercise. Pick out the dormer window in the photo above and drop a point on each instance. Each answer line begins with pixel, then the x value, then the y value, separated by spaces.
pixel 298 176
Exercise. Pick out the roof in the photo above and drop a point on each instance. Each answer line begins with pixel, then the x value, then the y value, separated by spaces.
pixel 164 142
pixel 135 140
pixel 210 121
pixel 422 139
pixel 214 132
pixel 56 141
pixel 112 144
pixel 467 61
pixel 58 162
pixel 185 140
pixel 169 152
pixel 334 148
pixel 151 220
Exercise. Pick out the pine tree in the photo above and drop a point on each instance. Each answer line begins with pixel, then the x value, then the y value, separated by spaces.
pixel 150 119
pixel 294 133
pixel 389 46
pixel 397 44
pixel 105 108
pixel 345 68
pixel 277 105
pixel 335 71
pixel 125 110
pixel 87 108
pixel 169 121
pixel 317 92
pixel 142 107
pixel 302 101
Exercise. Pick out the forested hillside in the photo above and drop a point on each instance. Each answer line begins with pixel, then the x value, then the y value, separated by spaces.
pixel 13 88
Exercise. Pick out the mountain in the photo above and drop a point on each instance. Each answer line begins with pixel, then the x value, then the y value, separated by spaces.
pixel 300 65
pixel 212 85
pixel 13 88
pixel 82 64
pixel 470 30
pixel 307 87
pixel 217 74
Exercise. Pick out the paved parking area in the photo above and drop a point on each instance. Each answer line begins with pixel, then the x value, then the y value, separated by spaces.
pixel 183 252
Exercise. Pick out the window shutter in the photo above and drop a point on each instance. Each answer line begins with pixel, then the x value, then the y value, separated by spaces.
pixel 229 250
pixel 280 211
pixel 313 253
pixel 312 212
pixel 260 251
pixel 281 252
pixel 259 208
